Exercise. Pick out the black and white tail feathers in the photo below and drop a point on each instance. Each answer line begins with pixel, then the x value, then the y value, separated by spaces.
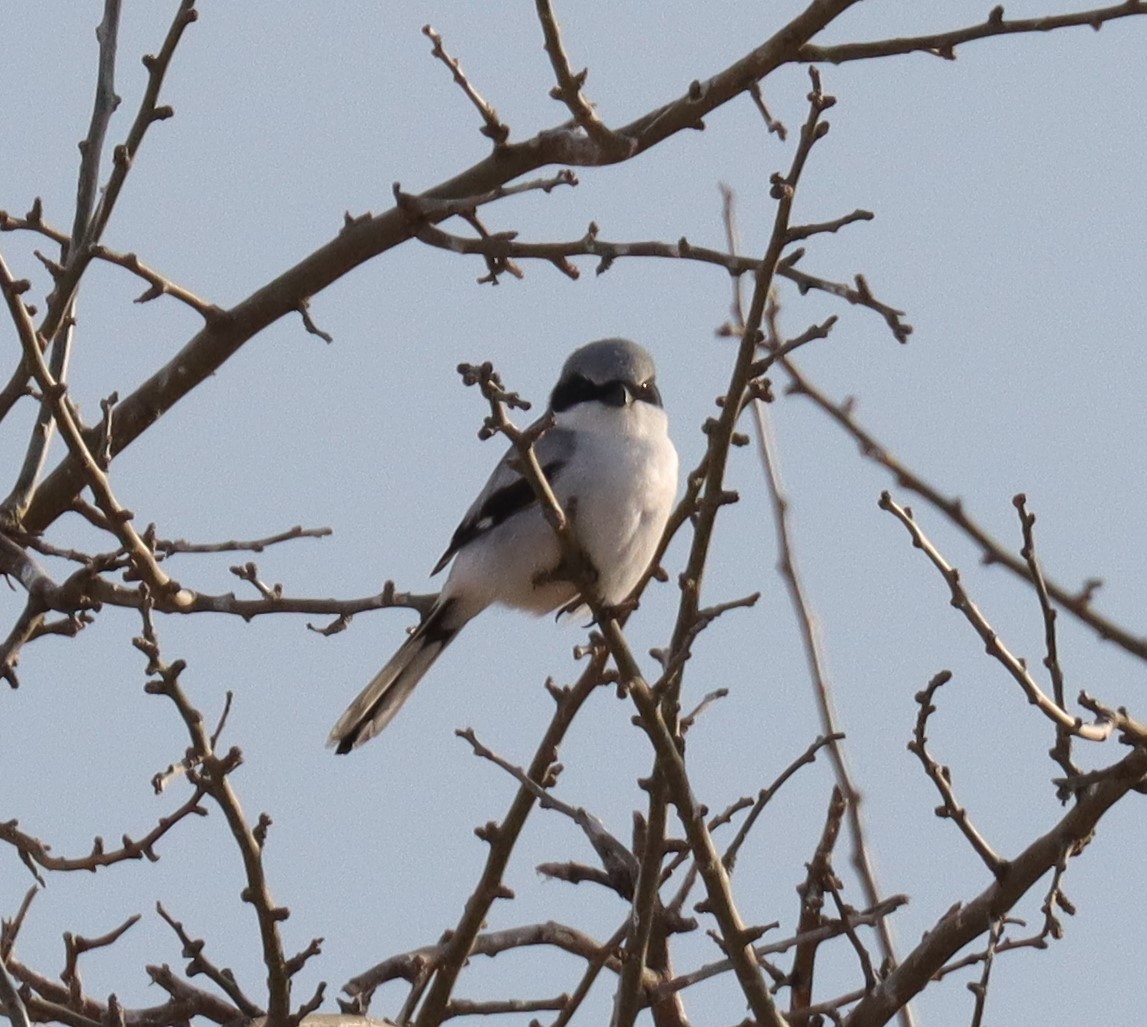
pixel 377 704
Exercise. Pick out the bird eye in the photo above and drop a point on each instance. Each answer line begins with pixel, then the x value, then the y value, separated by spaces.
pixel 649 393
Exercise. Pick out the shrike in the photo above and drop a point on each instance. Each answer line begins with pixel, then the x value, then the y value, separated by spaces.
pixel 608 458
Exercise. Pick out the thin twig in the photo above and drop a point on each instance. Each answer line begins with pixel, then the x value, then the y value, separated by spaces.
pixel 55 393
pixel 569 86
pixel 210 773
pixel 941 777
pixel 618 861
pixel 774 126
pixel 60 338
pixel 222 977
pixel 968 920
pixel 1097 732
pixel 1061 751
pixel 506 246
pixel 943 44
pixel 766 794
pixel 169 547
pixel 423 206
pixel 501 838
pixel 980 988
pixel 1078 603
pixel 34 853
pixel 828 930
pixel 817 880
pixel 494 128
pixel 594 966
pixel 787 566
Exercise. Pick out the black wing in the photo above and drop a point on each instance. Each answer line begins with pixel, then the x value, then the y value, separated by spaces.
pixel 505 494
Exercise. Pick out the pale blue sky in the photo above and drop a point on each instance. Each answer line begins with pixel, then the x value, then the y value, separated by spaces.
pixel 1010 225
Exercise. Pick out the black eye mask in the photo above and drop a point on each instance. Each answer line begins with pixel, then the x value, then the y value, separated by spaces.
pixel 616 393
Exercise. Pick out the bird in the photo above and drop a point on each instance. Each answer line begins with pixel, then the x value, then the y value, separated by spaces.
pixel 610 463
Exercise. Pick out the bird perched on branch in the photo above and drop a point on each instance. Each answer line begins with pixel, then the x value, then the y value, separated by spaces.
pixel 608 459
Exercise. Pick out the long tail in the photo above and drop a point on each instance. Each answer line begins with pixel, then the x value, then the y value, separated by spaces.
pixel 377 704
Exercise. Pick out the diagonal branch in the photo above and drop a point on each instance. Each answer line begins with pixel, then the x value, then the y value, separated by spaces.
pixel 10 1001
pixel 494 128
pixel 1077 603
pixel 55 393
pixel 967 921
pixel 569 85
pixel 818 673
pixel 502 838
pixel 1097 732
pixel 943 44
pixel 364 238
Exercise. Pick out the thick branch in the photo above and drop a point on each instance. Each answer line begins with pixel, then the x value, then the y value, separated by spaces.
pixel 366 237
pixel 966 921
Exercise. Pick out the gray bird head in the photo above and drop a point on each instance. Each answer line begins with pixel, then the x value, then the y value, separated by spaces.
pixel 612 371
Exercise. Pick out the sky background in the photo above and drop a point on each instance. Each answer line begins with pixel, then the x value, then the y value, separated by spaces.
pixel 1010 226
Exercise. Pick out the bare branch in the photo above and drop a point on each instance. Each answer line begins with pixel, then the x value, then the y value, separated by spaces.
pixel 10 1000
pixel 775 127
pixel 210 774
pixel 1061 751
pixel 471 1007
pixel 594 965
pixel 811 892
pixel 618 861
pixel 221 977
pixel 158 283
pixel 411 965
pixel 798 232
pixel 810 637
pixel 505 246
pixel 34 853
pixel 1077 603
pixel 1097 732
pixel 103 591
pixel 830 929
pixel 630 995
pixel 59 323
pixel 980 988
pixel 943 44
pixel 494 128
pixel 166 547
pixel 425 206
pixel 501 839
pixel 63 412
pixel 966 921
pixel 809 630
pixel 568 90
pixel 941 777
pixel 766 794
pixel 149 112
pixel 76 945
pixel 106 102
